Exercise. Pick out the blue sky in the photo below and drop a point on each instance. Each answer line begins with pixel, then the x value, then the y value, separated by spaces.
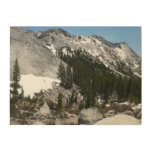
pixel 129 34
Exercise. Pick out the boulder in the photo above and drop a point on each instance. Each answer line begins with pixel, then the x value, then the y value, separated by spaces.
pixel 109 113
pixel 127 112
pixel 89 116
pixel 138 116
pixel 137 111
pixel 119 119
pixel 45 110
pixel 137 107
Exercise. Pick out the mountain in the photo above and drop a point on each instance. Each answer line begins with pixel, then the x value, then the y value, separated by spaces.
pixel 119 57
pixel 39 59
pixel 94 76
pixel 33 56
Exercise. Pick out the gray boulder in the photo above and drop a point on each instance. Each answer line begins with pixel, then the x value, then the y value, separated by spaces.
pixel 45 110
pixel 89 116
pixel 139 115
pixel 137 111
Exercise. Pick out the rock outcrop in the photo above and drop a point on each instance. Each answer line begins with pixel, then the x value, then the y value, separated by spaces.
pixel 45 110
pixel 89 116
pixel 116 56
pixel 119 119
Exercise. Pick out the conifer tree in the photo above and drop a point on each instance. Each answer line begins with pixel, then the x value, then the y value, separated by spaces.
pixel 61 74
pixel 16 79
pixel 69 77
pixel 73 98
pixel 59 102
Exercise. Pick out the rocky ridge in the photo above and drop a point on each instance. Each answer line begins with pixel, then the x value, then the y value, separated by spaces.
pixel 116 56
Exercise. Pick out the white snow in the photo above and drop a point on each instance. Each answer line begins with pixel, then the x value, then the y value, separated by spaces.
pixel 96 53
pixel 32 84
pixel 137 74
pixel 93 52
pixel 135 65
pixel 64 51
pixel 121 53
pixel 52 49
pixel 96 41
pixel 90 52
pixel 100 58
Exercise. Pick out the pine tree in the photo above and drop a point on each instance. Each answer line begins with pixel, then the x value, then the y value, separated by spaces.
pixel 61 74
pixel 16 79
pixel 73 98
pixel 69 77
pixel 59 107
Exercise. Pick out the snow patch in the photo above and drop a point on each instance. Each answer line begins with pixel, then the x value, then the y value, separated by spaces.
pixel 32 84
pixel 121 53
pixel 52 48
pixel 64 51
pixel 101 59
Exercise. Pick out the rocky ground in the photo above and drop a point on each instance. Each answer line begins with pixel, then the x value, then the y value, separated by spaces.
pixel 121 114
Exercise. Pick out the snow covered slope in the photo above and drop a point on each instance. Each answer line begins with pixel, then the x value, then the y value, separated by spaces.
pixel 119 57
pixel 32 84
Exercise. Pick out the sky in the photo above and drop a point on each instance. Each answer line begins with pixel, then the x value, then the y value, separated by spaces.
pixel 129 34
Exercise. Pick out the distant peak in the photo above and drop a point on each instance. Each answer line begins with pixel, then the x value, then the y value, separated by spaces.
pixel 59 31
pixel 124 44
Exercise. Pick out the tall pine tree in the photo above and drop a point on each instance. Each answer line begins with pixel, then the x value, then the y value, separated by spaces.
pixel 59 107
pixel 16 79
pixel 69 77
pixel 61 74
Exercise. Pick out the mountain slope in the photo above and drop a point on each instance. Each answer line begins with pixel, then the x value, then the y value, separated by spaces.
pixel 33 56
pixel 119 57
